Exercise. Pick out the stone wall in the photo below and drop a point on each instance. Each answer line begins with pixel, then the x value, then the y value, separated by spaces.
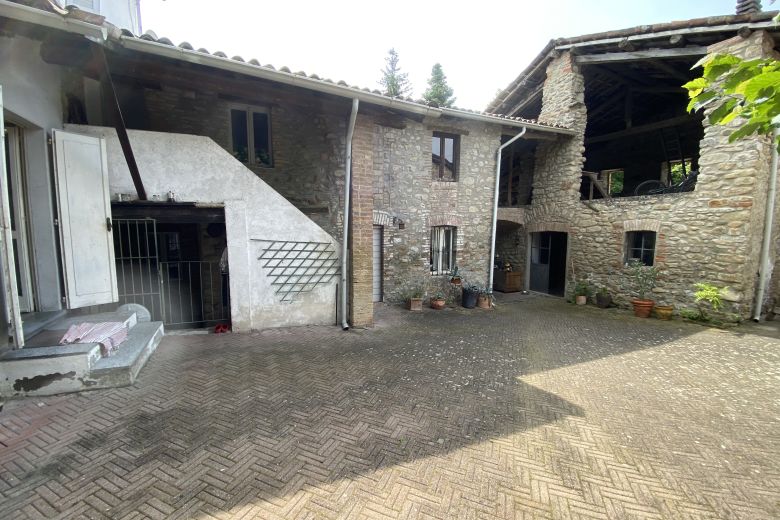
pixel 308 144
pixel 404 189
pixel 709 235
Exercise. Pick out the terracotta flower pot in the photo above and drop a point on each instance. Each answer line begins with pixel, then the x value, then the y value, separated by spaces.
pixel 438 303
pixel 415 304
pixel 483 302
pixel 643 308
pixel 664 312
pixel 581 299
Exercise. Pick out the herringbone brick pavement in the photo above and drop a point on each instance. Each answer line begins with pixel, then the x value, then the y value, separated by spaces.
pixel 535 410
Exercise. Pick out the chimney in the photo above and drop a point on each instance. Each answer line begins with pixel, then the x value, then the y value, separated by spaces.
pixel 748 6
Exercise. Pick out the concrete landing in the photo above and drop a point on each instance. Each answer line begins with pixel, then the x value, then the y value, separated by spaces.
pixel 48 370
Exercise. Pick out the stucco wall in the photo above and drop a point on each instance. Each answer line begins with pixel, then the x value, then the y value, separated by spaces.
pixel 404 188
pixel 31 99
pixel 197 169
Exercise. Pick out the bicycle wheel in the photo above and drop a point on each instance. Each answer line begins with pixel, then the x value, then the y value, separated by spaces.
pixel 646 187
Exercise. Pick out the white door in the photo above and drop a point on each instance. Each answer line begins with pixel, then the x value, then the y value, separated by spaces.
pixel 85 220
pixel 16 201
pixel 377 264
pixel 13 316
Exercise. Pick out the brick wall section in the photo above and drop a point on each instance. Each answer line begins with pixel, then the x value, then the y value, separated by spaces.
pixel 712 234
pixel 362 221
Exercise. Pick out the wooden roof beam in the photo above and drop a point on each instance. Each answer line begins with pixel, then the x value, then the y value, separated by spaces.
pixel 650 54
pixel 641 129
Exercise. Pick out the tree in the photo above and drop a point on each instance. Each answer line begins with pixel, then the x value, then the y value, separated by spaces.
pixel 395 82
pixel 733 87
pixel 438 94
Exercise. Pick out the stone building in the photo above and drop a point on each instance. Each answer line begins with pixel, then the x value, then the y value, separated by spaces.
pixel 224 181
pixel 641 178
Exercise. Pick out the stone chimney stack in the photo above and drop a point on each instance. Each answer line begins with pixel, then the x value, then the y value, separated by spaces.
pixel 748 6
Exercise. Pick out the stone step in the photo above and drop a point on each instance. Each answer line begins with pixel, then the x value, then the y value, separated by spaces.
pixel 47 370
pixel 77 367
pixel 123 367
pixel 129 318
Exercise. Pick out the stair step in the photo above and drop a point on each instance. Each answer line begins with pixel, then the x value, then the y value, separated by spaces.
pixel 130 319
pixel 76 367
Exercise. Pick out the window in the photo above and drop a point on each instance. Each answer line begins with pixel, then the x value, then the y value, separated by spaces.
pixel 445 149
pixel 250 135
pixel 442 249
pixel 615 180
pixel 640 245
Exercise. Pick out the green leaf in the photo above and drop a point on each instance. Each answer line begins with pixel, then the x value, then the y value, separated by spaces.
pixel 717 115
pixel 754 88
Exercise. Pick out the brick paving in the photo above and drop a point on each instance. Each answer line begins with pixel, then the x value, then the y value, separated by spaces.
pixel 538 409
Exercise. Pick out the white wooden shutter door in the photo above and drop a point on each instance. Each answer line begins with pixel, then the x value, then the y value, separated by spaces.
pixel 13 314
pixel 85 213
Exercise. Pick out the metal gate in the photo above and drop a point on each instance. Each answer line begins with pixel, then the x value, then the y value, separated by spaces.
pixel 137 264
pixel 194 293
pixel 183 293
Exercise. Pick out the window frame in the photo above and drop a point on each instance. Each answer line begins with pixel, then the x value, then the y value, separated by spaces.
pixel 250 110
pixel 628 254
pixel 436 256
pixel 455 155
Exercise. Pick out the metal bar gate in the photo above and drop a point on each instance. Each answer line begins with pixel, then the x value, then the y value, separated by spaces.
pixel 183 294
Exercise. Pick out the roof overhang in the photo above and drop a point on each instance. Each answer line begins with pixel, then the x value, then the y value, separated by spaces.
pixel 639 35
pixel 287 78
pixel 23 13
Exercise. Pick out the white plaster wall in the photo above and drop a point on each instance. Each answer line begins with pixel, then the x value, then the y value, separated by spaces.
pixel 31 99
pixel 196 169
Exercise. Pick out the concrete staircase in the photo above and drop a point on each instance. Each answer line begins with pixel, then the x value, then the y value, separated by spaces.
pixel 48 370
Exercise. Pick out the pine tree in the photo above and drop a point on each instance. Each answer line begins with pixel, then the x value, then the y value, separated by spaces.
pixel 439 94
pixel 395 82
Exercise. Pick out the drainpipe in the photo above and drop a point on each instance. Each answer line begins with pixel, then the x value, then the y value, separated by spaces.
pixel 495 208
pixel 766 244
pixel 345 232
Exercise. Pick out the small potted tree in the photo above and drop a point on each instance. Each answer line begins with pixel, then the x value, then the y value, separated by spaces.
pixel 644 277
pixel 581 292
pixel 603 298
pixel 415 299
pixel 438 301
pixel 455 278
pixel 484 298
pixel 470 294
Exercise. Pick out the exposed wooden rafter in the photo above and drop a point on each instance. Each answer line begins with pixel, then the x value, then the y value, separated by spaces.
pixel 641 129
pixel 650 54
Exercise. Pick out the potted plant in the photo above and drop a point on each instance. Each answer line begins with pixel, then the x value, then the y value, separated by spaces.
pixel 455 278
pixel 664 312
pixel 484 298
pixel 438 301
pixel 415 299
pixel 470 293
pixel 644 277
pixel 603 298
pixel 581 292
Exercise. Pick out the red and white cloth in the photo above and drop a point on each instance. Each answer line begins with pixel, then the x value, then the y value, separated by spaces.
pixel 109 335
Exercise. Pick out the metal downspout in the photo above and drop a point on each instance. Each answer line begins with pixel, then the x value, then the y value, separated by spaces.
pixel 345 232
pixel 495 208
pixel 766 243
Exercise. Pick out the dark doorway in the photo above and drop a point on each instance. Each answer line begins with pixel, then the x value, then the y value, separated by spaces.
pixel 548 262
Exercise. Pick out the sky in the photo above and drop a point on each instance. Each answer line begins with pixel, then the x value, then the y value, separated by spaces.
pixel 482 45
